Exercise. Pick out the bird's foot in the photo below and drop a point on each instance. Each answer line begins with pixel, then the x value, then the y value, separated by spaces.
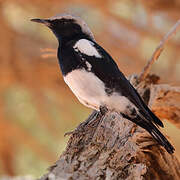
pixel 90 121
pixel 87 123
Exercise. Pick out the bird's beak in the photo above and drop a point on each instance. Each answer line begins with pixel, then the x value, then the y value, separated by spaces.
pixel 42 21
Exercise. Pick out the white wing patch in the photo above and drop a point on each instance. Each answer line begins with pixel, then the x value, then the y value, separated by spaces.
pixel 86 47
pixel 89 66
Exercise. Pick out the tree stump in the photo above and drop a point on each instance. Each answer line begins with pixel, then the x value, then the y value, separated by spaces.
pixel 111 147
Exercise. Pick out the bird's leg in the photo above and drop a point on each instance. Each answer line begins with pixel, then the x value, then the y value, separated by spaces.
pixel 80 128
pixel 103 110
pixel 96 115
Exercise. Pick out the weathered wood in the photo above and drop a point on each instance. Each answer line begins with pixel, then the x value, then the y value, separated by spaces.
pixel 166 103
pixel 111 147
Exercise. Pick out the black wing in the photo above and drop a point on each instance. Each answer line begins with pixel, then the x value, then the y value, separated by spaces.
pixel 107 70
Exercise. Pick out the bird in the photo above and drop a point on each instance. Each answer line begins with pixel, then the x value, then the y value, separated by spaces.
pixel 94 77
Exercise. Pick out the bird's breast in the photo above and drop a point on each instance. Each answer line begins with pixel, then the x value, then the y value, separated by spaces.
pixel 90 91
pixel 87 87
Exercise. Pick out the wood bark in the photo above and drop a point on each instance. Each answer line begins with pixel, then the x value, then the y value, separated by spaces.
pixel 111 147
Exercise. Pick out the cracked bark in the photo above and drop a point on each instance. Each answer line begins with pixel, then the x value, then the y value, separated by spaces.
pixel 111 147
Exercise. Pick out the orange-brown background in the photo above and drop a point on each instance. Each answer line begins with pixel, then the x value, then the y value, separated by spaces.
pixel 36 107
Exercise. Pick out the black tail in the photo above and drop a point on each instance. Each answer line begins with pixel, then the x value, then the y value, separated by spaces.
pixel 160 138
pixel 152 117
pixel 153 130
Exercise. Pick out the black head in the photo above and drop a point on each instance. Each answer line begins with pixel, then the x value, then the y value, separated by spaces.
pixel 67 27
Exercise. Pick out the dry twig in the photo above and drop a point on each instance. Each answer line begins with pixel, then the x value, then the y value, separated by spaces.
pixel 158 51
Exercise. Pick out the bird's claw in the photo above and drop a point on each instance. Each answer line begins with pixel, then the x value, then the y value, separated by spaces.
pixel 94 116
pixel 69 133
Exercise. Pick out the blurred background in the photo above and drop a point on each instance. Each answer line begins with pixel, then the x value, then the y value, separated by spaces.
pixel 36 107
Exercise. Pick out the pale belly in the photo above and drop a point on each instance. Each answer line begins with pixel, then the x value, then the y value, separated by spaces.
pixel 90 91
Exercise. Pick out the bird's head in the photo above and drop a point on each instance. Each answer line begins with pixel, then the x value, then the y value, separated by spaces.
pixel 67 27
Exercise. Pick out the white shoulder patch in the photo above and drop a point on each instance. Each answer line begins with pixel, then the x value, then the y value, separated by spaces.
pixel 86 47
